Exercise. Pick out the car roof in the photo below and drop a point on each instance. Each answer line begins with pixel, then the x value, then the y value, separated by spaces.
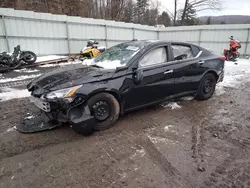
pixel 152 43
pixel 155 42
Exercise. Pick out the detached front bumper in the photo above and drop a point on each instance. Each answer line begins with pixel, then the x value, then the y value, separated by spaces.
pixel 76 113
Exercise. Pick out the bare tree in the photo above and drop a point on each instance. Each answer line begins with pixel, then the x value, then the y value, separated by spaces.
pixel 128 14
pixel 200 5
pixel 175 11
pixel 3 3
pixel 184 11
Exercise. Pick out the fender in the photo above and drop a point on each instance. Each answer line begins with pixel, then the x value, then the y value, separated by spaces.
pixel 216 73
pixel 89 90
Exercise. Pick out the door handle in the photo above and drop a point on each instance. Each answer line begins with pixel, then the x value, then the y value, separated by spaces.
pixel 168 71
pixel 201 62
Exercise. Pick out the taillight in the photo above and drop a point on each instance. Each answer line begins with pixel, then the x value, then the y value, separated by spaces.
pixel 223 58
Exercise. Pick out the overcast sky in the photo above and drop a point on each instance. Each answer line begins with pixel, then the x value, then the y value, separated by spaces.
pixel 229 7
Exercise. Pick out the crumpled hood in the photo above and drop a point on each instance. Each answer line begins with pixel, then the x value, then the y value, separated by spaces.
pixel 69 77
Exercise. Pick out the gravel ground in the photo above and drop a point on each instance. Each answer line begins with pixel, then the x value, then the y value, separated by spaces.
pixel 202 144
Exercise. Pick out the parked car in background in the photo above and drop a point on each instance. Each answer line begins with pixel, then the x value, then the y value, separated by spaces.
pixel 126 77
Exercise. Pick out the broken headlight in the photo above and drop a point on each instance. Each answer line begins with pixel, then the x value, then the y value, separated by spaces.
pixel 67 94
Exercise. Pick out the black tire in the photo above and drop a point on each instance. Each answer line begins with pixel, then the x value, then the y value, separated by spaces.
pixel 83 130
pixel 4 68
pixel 29 57
pixel 207 87
pixel 108 101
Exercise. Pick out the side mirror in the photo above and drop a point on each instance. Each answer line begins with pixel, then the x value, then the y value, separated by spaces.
pixel 137 76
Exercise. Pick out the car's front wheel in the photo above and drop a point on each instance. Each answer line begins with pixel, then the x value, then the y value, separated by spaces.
pixel 207 87
pixel 105 109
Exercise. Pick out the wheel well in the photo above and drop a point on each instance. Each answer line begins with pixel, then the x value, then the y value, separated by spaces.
pixel 215 74
pixel 116 95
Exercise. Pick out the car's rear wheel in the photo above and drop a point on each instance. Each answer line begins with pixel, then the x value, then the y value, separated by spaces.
pixel 207 87
pixel 105 109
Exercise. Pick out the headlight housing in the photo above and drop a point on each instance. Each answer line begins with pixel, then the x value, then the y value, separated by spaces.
pixel 67 93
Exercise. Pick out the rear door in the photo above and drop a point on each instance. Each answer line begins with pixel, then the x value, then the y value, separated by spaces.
pixel 157 82
pixel 189 67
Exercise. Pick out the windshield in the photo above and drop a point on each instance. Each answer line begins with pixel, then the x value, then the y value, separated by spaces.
pixel 117 56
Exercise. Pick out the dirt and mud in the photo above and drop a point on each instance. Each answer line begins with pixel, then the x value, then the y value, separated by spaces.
pixel 202 144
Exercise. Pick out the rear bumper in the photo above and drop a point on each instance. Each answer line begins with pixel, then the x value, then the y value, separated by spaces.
pixel 221 77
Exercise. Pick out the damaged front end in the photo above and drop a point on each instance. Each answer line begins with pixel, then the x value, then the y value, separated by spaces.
pixel 60 106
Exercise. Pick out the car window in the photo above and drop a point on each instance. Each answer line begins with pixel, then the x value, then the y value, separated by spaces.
pixel 181 52
pixel 155 56
pixel 196 50
pixel 205 52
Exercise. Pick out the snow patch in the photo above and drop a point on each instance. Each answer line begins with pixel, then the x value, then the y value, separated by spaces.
pixel 110 64
pixel 8 131
pixel 26 70
pixel 157 139
pixel 172 105
pixel 166 128
pixel 62 64
pixel 4 80
pixel 187 98
pixel 10 93
pixel 236 73
pixel 11 129
pixel 139 152
pixel 88 62
pixel 49 57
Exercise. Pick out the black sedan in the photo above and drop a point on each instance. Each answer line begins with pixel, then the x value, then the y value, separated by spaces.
pixel 126 77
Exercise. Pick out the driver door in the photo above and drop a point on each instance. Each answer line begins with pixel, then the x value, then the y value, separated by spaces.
pixel 156 82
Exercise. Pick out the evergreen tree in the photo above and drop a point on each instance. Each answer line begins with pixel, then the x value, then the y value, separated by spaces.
pixel 164 19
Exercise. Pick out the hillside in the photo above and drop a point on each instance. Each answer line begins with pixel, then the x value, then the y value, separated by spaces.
pixel 229 19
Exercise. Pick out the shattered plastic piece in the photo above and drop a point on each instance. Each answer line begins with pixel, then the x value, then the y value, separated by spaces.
pixel 29 117
pixel 215 135
pixel 201 169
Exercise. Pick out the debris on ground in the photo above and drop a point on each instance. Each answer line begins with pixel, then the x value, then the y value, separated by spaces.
pixel 215 135
pixel 201 169
pixel 171 105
